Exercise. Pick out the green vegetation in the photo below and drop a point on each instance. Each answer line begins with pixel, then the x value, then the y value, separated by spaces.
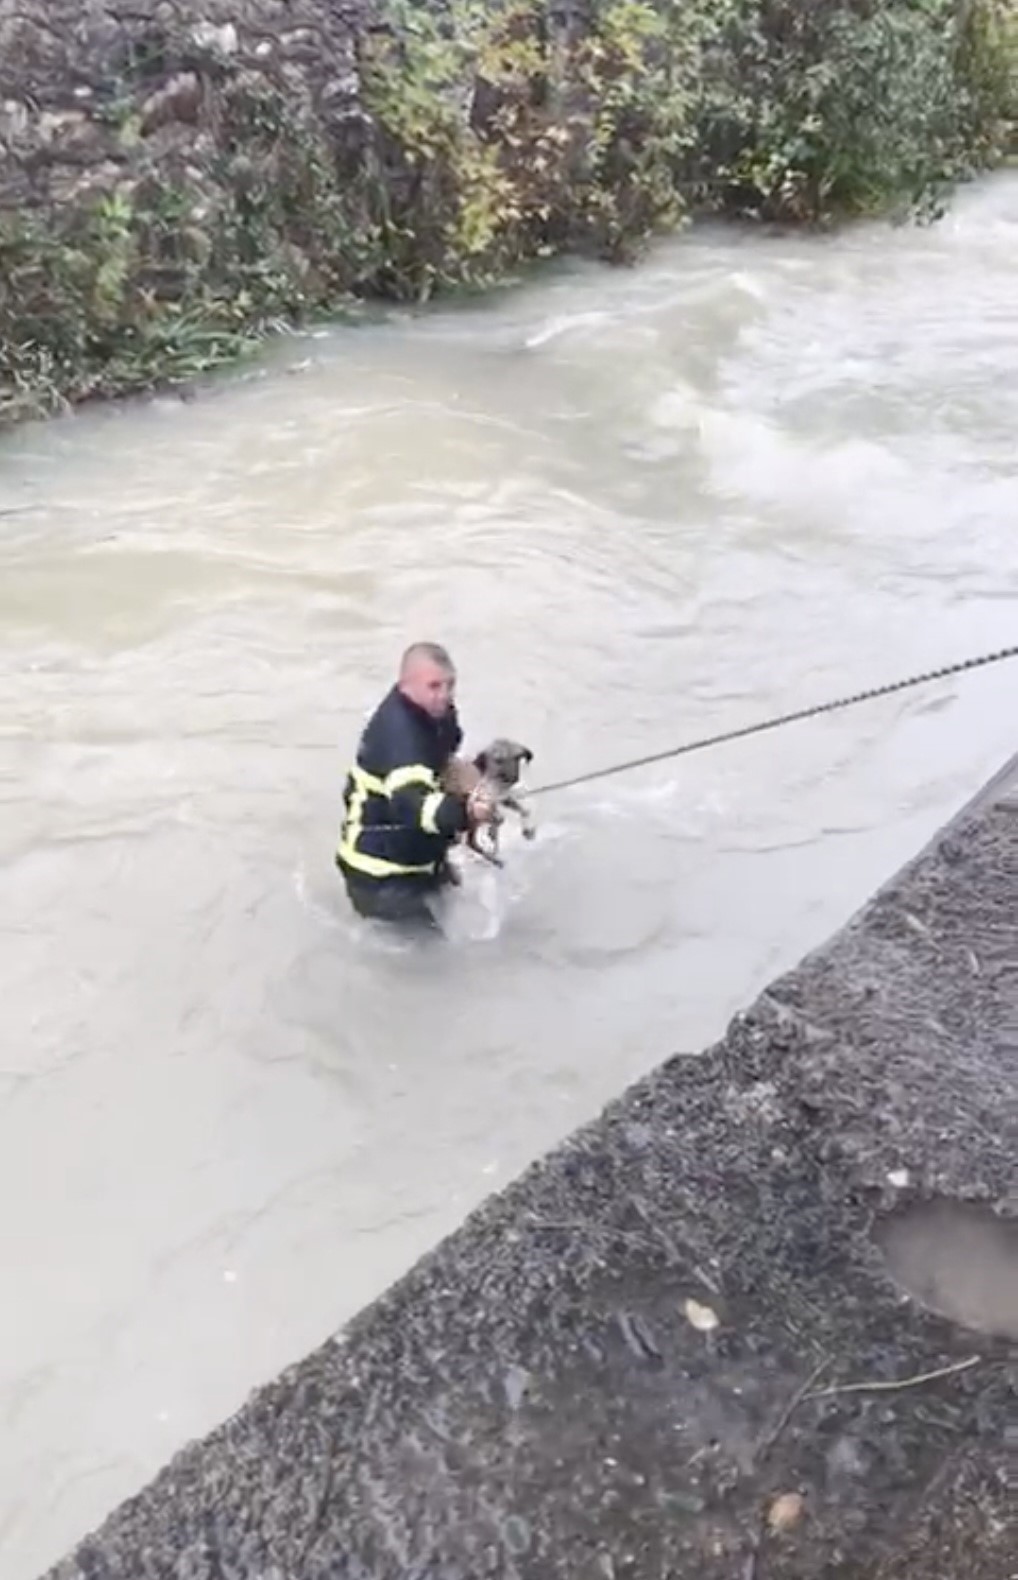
pixel 492 135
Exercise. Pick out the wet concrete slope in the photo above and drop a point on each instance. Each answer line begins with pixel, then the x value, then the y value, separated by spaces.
pixel 675 1347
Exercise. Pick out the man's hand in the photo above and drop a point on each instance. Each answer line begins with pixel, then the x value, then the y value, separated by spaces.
pixel 480 805
pixel 463 779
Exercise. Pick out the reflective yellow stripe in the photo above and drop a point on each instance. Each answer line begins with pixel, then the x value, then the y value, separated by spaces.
pixel 374 866
pixel 412 774
pixel 399 779
pixel 429 811
pixel 366 784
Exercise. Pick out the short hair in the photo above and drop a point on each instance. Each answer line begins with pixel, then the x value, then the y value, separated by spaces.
pixel 430 650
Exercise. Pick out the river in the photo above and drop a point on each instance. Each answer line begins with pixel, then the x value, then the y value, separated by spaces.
pixel 639 506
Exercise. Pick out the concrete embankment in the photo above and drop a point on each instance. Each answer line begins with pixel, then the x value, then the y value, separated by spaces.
pixel 674 1347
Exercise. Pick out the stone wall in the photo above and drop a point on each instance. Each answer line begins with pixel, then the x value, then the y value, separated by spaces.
pixel 93 93
pixel 159 192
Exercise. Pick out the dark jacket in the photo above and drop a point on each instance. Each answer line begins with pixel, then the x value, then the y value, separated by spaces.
pixel 397 821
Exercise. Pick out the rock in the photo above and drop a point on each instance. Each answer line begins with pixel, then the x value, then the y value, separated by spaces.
pixel 516 1534
pixel 179 100
pixel 703 1318
pixel 223 41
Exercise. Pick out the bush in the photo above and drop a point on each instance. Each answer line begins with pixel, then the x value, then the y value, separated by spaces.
pixel 819 112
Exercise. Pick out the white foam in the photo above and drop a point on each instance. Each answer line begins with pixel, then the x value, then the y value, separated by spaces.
pixel 564 324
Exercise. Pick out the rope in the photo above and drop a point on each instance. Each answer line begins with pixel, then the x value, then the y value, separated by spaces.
pixel 766 724
pixel 782 718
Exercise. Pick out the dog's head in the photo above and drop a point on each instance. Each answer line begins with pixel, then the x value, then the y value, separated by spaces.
pixel 503 761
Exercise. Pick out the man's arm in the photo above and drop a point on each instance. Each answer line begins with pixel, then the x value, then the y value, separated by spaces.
pixel 418 801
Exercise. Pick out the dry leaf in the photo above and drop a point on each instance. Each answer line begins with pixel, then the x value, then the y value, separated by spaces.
pixel 703 1318
pixel 786 1511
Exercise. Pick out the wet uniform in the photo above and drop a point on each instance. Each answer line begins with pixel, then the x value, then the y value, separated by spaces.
pixel 398 824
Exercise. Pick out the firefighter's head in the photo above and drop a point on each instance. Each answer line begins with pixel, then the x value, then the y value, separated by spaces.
pixel 428 677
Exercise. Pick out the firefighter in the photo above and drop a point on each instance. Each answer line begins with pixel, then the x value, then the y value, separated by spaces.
pixel 398 823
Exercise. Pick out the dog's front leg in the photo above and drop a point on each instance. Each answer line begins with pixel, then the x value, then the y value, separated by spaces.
pixel 492 852
pixel 522 809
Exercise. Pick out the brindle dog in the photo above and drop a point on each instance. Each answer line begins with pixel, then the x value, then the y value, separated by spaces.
pixel 496 773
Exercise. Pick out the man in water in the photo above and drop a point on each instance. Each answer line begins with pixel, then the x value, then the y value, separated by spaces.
pixel 398 823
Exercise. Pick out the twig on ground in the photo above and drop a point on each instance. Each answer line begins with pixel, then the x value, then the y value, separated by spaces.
pixel 895 1384
pixel 801 1393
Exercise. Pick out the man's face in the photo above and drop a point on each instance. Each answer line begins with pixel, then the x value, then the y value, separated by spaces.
pixel 431 686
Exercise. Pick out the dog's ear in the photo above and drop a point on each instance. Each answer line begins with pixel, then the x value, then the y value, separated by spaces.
pixel 526 754
pixel 481 762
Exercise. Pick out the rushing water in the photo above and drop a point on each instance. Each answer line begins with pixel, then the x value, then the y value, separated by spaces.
pixel 639 506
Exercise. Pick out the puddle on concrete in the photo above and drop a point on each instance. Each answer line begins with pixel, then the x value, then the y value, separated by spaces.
pixel 958 1259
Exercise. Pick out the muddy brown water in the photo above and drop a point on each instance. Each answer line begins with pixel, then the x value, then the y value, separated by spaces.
pixel 639 506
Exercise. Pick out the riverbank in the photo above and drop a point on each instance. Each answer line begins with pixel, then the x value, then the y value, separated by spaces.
pixel 673 1346
pixel 178 181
